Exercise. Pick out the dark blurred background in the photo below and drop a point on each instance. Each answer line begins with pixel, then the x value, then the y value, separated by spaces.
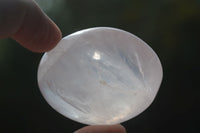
pixel 170 27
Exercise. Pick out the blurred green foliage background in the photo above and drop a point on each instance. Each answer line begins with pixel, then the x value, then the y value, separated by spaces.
pixel 170 27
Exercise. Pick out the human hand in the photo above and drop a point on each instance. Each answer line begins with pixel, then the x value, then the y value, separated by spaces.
pixel 25 22
pixel 102 129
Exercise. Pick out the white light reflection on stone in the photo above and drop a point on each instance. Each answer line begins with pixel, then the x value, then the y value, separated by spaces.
pixel 96 55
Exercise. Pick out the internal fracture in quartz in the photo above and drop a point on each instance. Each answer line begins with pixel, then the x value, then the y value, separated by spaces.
pixel 100 76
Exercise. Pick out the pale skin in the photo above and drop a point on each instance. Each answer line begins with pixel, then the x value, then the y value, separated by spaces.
pixel 25 22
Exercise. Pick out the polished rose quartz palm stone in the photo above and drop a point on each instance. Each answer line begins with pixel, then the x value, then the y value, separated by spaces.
pixel 100 76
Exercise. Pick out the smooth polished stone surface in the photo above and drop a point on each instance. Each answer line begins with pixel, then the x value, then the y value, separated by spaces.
pixel 100 76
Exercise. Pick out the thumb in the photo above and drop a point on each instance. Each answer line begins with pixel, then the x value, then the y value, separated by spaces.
pixel 102 129
pixel 25 22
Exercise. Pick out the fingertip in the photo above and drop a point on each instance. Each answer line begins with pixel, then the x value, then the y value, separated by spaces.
pixel 37 32
pixel 45 42
pixel 102 129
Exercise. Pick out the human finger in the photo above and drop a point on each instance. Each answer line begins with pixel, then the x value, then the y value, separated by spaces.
pixel 25 22
pixel 102 129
